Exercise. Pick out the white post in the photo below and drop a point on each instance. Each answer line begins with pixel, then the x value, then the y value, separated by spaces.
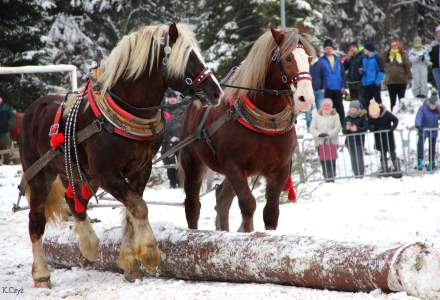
pixel 43 69
pixel 283 13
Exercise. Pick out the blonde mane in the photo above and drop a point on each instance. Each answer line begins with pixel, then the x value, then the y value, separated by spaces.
pixel 253 70
pixel 141 50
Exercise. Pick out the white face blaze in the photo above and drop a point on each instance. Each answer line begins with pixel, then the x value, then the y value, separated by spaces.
pixel 303 94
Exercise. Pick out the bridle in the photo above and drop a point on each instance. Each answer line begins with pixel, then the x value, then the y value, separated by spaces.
pixel 190 82
pixel 293 78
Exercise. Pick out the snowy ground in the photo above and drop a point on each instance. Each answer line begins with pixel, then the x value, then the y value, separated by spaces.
pixel 377 210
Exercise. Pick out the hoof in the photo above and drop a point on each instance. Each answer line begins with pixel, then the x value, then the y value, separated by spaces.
pixel 150 258
pixel 85 263
pixel 133 275
pixel 43 283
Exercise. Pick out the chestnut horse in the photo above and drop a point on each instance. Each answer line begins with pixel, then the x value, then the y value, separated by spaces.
pixel 241 152
pixel 139 70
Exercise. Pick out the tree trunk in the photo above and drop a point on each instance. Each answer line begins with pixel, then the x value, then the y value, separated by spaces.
pixel 269 258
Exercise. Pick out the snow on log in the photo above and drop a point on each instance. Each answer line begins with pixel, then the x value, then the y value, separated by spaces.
pixel 271 258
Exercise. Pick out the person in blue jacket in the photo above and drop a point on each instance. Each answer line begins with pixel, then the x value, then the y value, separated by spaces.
pixel 333 74
pixel 372 69
pixel 427 119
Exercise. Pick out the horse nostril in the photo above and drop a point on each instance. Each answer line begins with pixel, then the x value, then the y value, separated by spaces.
pixel 302 99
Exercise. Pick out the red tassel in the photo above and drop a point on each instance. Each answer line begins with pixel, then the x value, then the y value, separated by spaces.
pixel 79 207
pixel 69 191
pixel 289 187
pixel 56 140
pixel 85 194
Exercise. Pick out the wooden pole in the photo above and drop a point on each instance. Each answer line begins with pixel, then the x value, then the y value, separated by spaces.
pixel 269 258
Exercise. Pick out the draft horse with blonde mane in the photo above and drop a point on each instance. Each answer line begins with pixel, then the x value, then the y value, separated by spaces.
pixel 124 103
pixel 258 137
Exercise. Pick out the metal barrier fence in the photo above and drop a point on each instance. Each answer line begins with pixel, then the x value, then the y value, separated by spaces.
pixel 379 153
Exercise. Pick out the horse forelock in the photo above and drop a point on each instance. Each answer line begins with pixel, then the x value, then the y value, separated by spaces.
pixel 140 51
pixel 253 70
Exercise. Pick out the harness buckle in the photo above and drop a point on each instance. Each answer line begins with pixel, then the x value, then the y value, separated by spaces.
pixel 188 81
pixel 53 130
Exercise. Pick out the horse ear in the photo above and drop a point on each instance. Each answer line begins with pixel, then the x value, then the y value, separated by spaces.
pixel 277 35
pixel 173 33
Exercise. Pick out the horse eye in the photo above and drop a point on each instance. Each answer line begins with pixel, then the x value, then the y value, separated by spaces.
pixel 288 58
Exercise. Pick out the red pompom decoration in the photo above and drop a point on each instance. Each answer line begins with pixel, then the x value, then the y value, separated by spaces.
pixel 79 207
pixel 289 187
pixel 56 140
pixel 69 191
pixel 85 194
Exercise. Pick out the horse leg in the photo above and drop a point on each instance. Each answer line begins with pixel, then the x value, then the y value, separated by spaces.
pixel 127 258
pixel 194 171
pixel 274 186
pixel 224 195
pixel 38 192
pixel 144 244
pixel 246 200
pixel 87 239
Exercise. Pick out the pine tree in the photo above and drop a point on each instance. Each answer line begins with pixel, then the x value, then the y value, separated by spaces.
pixel 20 44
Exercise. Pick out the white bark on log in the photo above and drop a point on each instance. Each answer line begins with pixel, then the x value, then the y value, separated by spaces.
pixel 270 258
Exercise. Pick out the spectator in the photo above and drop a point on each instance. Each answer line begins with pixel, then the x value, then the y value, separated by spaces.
pixel 372 75
pixel 334 78
pixel 7 118
pixel 174 116
pixel 385 122
pixel 317 73
pixel 352 64
pixel 419 59
pixel 427 119
pixel 397 71
pixel 434 54
pixel 325 128
pixel 356 123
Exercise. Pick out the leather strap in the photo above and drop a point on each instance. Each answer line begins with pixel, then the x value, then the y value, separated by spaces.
pixel 36 167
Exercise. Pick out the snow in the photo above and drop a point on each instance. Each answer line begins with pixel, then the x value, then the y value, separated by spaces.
pixel 382 211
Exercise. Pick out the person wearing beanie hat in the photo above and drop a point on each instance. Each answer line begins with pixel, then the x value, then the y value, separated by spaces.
pixel 419 58
pixel 325 129
pixel 434 55
pixel 397 71
pixel 372 70
pixel 356 124
pixel 426 122
pixel 352 64
pixel 385 122
pixel 334 77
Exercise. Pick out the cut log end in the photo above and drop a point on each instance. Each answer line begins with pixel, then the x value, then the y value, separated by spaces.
pixel 415 269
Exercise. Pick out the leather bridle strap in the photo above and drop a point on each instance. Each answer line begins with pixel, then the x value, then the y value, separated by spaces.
pixel 202 76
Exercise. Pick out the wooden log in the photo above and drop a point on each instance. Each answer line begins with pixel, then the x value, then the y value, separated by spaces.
pixel 270 258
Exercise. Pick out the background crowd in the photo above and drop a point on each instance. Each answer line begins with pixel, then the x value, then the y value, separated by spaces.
pixel 359 78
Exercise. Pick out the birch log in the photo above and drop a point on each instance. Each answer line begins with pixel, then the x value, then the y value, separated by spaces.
pixel 271 258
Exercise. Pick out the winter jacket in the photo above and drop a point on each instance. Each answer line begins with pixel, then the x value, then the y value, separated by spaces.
pixel 397 72
pixel 384 141
pixel 419 57
pixel 434 54
pixel 318 76
pixel 427 118
pixel 352 66
pixel 361 123
pixel 173 127
pixel 372 70
pixel 7 117
pixel 329 124
pixel 334 78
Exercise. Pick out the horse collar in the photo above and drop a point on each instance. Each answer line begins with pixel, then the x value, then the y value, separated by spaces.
pixel 121 121
pixel 259 121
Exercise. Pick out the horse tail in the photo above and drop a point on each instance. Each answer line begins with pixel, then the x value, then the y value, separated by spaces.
pixel 55 207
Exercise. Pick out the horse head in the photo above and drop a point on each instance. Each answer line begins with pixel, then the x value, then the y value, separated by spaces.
pixel 292 55
pixel 196 79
